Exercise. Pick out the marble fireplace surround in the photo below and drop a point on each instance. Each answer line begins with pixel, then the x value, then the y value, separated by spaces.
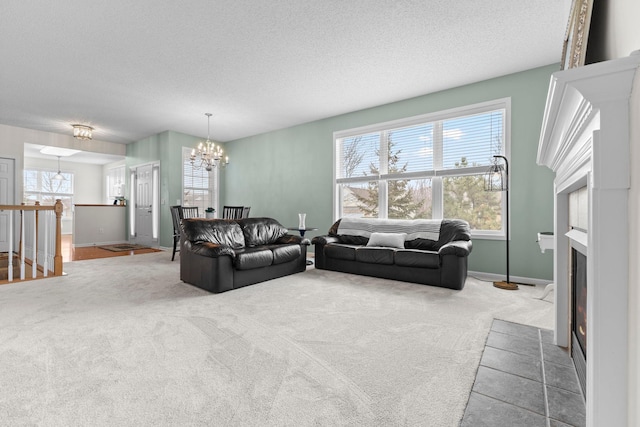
pixel 585 141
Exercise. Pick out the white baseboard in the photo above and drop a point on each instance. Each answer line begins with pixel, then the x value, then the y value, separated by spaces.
pixel 491 277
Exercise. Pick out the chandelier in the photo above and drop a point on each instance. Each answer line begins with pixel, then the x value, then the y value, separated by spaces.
pixel 208 154
pixel 82 131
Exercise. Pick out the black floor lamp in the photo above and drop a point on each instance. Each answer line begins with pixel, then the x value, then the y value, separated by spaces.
pixel 497 179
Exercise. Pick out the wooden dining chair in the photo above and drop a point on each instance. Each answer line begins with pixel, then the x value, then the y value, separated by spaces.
pixel 245 211
pixel 175 218
pixel 232 212
pixel 189 212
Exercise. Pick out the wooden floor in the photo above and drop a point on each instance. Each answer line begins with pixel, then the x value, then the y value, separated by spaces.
pixel 69 253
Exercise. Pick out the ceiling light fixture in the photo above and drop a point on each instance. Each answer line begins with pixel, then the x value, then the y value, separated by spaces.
pixel 82 131
pixel 58 176
pixel 210 155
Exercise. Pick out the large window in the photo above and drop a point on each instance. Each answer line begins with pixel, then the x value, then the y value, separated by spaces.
pixel 199 187
pixel 429 167
pixel 40 186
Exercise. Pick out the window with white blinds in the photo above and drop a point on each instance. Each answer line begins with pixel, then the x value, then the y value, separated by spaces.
pixel 199 187
pixel 429 166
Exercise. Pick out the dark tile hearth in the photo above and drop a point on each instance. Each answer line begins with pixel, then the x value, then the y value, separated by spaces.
pixel 524 380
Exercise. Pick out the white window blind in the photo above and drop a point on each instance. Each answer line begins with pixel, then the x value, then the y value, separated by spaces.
pixel 199 187
pixel 429 166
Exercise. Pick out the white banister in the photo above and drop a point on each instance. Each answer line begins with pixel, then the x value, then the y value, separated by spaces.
pixel 22 246
pixel 10 254
pixel 34 245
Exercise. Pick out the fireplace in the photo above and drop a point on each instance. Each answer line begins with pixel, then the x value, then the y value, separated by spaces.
pixel 585 141
pixel 579 315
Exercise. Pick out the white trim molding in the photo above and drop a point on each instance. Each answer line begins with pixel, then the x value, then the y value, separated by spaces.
pixel 585 141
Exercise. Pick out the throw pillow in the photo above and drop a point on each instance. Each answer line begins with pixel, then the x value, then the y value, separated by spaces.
pixel 389 240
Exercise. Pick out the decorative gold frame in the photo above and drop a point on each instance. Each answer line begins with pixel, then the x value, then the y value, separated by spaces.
pixel 574 48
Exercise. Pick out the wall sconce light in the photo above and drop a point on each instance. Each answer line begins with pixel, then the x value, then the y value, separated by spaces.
pixel 82 131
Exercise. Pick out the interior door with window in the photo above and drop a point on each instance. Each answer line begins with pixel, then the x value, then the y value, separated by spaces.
pixel 6 198
pixel 144 205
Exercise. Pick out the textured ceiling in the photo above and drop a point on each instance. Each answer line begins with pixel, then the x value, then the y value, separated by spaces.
pixel 136 68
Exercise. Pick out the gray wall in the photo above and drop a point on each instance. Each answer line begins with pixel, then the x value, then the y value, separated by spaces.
pixel 165 148
pixel 288 171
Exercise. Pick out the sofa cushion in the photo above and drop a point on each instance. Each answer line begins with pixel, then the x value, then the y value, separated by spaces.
pixel 389 240
pixel 284 253
pixel 375 255
pixel 417 258
pixel 249 258
pixel 261 231
pixel 423 244
pixel 340 251
pixel 210 249
pixel 219 231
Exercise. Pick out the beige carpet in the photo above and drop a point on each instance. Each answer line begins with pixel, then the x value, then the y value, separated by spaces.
pixel 121 341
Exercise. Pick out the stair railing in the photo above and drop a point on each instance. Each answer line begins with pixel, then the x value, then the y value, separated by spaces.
pixel 40 239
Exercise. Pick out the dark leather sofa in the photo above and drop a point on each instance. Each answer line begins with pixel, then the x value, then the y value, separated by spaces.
pixel 219 255
pixel 439 262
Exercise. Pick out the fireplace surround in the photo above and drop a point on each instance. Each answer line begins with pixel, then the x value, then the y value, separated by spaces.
pixel 585 141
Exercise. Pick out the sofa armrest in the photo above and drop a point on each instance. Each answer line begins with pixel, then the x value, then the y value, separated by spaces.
pixel 323 240
pixel 460 248
pixel 289 239
pixel 212 250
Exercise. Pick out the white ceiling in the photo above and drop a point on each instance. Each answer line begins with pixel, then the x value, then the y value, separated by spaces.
pixel 136 68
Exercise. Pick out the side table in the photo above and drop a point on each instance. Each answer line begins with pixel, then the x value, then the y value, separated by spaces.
pixel 302 231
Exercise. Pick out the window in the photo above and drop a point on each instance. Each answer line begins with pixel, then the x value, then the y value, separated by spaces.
pixel 430 166
pixel 115 184
pixel 199 187
pixel 40 186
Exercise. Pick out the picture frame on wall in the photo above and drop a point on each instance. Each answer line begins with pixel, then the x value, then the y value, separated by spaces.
pixel 574 48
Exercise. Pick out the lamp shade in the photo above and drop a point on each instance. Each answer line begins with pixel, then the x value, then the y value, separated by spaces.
pixel 496 179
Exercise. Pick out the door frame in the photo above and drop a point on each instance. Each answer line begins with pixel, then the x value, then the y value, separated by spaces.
pixel 11 199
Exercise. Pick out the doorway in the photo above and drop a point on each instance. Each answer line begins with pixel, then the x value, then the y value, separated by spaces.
pixel 6 198
pixel 145 210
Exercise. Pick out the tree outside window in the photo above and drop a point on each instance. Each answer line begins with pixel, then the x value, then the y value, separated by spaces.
pixel 424 169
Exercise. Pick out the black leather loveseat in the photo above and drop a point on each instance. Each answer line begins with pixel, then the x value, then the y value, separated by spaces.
pixel 430 252
pixel 219 255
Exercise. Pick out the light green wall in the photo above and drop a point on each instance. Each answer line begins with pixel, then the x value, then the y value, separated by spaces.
pixel 166 148
pixel 288 171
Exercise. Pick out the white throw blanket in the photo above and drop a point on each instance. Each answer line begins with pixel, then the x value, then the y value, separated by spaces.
pixel 414 228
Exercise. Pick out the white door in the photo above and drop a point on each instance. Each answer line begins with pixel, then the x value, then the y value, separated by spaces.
pixel 144 205
pixel 6 198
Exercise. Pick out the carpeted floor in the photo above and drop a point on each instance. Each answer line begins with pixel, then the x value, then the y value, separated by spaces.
pixel 121 341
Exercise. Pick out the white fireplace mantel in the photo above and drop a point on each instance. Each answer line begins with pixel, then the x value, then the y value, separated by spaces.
pixel 585 141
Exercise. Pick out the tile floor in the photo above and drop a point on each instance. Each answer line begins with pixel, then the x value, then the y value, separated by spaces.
pixel 524 380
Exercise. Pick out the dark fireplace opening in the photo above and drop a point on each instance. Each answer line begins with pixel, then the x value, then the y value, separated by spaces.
pixel 579 315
